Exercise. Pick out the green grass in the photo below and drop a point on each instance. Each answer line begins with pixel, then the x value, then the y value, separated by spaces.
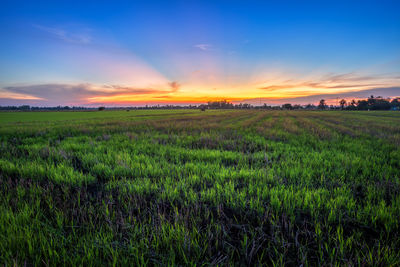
pixel 200 188
pixel 16 117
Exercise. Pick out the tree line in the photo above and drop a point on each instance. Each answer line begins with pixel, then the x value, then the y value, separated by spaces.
pixel 371 103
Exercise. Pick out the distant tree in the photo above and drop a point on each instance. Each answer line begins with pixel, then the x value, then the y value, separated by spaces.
pixel 352 105
pixel 25 107
pixel 297 106
pixel 101 108
pixel 381 104
pixel 322 104
pixel 374 103
pixel 395 104
pixel 310 106
pixel 203 107
pixel 287 106
pixel 224 104
pixel 362 104
pixel 342 103
pixel 371 100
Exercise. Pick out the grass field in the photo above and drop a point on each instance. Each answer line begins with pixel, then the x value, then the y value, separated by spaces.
pixel 207 188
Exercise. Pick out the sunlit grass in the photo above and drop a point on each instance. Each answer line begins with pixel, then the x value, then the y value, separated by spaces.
pixel 190 187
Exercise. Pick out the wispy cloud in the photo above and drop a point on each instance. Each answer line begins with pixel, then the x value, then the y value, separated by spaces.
pixel 82 37
pixel 204 47
pixel 350 81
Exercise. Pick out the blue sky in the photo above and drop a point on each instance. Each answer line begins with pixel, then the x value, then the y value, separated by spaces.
pixel 142 52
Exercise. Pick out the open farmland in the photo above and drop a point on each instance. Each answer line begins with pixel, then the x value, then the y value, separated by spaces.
pixel 189 187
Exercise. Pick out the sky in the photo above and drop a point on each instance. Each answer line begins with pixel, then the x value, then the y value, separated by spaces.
pixel 135 53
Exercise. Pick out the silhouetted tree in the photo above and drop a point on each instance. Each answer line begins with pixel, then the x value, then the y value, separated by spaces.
pixel 322 104
pixel 25 107
pixel 224 104
pixel 297 106
pixel 310 106
pixel 380 104
pixel 342 103
pixel 287 106
pixel 362 104
pixel 101 108
pixel 352 105
pixel 371 100
pixel 395 103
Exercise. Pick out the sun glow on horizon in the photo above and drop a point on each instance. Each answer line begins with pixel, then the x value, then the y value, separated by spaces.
pixel 274 91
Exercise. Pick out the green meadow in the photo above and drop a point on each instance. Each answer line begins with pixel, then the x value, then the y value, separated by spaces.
pixel 185 187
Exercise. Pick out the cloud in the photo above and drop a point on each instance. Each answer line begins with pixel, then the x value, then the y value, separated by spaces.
pixel 10 95
pixel 348 77
pixel 318 85
pixel 350 81
pixel 174 86
pixel 280 87
pixel 204 47
pixel 75 94
pixel 66 36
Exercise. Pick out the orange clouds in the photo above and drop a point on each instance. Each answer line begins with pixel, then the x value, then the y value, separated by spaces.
pixel 19 96
pixel 174 92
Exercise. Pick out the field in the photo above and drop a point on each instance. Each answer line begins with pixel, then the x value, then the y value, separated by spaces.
pixel 185 187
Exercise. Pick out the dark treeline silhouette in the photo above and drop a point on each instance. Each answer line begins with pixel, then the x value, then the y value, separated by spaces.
pixel 29 108
pixel 371 103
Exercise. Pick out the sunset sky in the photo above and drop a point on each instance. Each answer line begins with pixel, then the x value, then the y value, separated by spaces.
pixel 121 53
